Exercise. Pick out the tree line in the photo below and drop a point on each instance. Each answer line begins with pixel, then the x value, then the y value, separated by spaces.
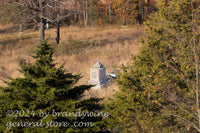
pixel 41 14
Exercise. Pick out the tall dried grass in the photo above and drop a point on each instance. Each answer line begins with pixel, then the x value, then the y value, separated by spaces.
pixel 113 47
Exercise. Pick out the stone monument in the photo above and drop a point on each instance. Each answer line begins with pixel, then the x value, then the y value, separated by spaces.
pixel 98 75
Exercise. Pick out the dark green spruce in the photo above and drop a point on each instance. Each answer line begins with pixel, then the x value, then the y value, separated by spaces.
pixel 45 88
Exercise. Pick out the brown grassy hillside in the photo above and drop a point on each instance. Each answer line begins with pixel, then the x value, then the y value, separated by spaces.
pixel 79 49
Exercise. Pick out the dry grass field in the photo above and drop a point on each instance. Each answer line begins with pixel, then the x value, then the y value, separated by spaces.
pixel 79 49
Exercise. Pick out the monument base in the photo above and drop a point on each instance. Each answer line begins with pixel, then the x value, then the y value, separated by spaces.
pixel 98 84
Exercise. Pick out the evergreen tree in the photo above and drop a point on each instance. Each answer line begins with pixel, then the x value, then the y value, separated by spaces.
pixel 45 88
pixel 160 88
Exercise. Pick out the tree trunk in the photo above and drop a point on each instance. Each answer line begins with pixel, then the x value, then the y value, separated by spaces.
pixel 110 19
pixel 48 14
pixel 58 22
pixel 75 16
pixel 85 13
pixel 124 14
pixel 197 89
pixel 124 20
pixel 146 7
pixel 21 28
pixel 21 24
pixel 142 10
pixel 42 20
pixel 58 33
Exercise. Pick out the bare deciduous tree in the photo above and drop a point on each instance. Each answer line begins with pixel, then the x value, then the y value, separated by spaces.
pixel 42 13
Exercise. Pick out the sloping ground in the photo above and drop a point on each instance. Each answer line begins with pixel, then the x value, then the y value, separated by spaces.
pixel 79 49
